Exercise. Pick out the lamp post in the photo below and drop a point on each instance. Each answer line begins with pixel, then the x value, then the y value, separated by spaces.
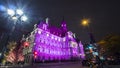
pixel 15 15
pixel 86 23
pixel 94 49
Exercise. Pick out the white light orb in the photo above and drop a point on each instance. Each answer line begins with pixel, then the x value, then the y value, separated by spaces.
pixel 24 18
pixel 14 18
pixel 10 12
pixel 20 12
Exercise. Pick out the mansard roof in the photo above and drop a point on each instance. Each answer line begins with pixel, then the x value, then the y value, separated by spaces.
pixel 53 29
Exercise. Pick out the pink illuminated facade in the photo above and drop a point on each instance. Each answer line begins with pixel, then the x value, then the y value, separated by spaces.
pixel 53 43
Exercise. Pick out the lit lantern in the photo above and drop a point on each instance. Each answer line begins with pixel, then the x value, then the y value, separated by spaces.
pixel 35 54
pixel 26 44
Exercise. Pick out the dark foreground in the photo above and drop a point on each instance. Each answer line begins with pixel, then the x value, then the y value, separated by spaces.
pixel 55 65
pixel 49 65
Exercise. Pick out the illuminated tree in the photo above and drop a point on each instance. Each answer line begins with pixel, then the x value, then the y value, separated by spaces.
pixel 14 53
pixel 11 45
pixel 8 56
pixel 110 45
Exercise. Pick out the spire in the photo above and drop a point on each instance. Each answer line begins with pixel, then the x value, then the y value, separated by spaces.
pixel 47 20
pixel 63 23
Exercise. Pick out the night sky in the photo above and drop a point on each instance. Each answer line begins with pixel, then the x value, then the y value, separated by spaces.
pixel 104 15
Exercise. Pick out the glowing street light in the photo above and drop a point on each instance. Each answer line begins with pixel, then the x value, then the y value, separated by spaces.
pixel 16 15
pixel 18 11
pixel 93 48
pixel 24 18
pixel 10 12
pixel 14 18
pixel 85 22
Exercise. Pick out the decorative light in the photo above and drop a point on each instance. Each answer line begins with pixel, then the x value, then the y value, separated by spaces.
pixel 90 47
pixel 26 44
pixel 35 53
pixel 14 18
pixel 10 12
pixel 20 12
pixel 24 18
pixel 95 53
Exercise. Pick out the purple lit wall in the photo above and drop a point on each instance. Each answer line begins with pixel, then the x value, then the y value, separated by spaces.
pixel 53 43
pixel 82 54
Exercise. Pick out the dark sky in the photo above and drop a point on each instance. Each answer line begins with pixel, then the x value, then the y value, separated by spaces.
pixel 104 15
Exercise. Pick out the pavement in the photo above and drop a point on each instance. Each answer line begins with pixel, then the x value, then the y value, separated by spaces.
pixel 55 65
pixel 48 65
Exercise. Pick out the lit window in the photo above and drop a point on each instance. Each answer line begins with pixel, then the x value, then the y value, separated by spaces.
pixel 47 34
pixel 64 39
pixel 52 37
pixel 34 43
pixel 58 53
pixel 41 50
pixel 39 32
pixel 56 38
pixel 45 51
pixel 59 39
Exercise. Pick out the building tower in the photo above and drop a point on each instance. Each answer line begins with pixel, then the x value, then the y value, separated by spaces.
pixel 64 26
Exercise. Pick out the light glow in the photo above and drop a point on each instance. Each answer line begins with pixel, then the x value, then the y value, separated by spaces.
pixel 24 18
pixel 14 18
pixel 85 22
pixel 10 12
pixel 20 12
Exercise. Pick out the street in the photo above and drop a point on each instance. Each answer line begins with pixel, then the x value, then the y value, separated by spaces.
pixel 49 65
pixel 55 65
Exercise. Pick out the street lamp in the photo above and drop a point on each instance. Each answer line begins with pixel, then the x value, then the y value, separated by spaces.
pixel 10 12
pixel 16 15
pixel 85 22
pixel 20 12
pixel 24 18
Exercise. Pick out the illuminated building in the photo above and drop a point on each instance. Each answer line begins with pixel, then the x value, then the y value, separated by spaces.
pixel 49 43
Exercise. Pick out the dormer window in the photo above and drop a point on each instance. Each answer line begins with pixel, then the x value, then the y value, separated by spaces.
pixel 44 26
